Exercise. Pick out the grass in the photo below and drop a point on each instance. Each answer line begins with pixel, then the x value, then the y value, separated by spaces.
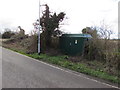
pixel 79 67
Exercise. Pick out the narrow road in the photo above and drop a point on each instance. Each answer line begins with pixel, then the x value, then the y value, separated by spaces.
pixel 19 71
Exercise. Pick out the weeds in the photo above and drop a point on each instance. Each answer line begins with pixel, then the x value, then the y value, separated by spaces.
pixel 79 67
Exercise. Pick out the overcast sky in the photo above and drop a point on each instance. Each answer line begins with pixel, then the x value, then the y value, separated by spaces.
pixel 79 13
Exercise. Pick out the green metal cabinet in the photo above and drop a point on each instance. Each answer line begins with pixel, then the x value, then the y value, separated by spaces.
pixel 73 44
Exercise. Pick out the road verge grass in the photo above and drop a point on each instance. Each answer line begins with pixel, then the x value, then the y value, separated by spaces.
pixel 82 68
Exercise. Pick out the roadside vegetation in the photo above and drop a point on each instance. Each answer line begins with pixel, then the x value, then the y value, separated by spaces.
pixel 93 68
pixel 101 56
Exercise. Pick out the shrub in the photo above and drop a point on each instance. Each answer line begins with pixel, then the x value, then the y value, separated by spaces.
pixel 7 34
pixel 55 42
pixel 105 51
pixel 112 62
pixel 102 48
pixel 30 44
pixel 94 50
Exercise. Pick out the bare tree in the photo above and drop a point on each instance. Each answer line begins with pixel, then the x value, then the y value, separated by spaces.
pixel 104 30
pixel 102 47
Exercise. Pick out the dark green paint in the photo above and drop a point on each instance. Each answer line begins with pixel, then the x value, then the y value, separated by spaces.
pixel 73 44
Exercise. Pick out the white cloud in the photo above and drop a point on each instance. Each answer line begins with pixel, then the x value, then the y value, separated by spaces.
pixel 80 13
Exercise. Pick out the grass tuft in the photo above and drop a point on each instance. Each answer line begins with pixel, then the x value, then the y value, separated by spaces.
pixel 79 67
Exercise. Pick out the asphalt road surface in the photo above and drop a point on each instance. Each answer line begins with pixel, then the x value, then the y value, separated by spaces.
pixel 19 71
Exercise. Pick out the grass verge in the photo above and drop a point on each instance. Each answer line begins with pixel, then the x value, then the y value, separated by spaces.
pixel 82 68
